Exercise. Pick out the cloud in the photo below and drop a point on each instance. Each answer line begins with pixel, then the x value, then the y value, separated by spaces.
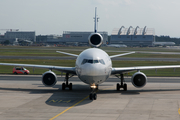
pixel 128 2
pixel 155 7
pixel 115 2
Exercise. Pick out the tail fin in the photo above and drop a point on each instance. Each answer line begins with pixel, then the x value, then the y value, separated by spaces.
pixel 95 21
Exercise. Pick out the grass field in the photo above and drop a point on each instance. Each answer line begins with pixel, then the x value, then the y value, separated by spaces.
pixel 51 51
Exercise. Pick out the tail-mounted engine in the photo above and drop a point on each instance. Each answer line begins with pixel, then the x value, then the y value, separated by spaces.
pixel 139 79
pixel 49 78
pixel 95 40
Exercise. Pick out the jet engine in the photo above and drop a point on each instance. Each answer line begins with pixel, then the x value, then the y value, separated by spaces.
pixel 139 79
pixel 95 40
pixel 49 78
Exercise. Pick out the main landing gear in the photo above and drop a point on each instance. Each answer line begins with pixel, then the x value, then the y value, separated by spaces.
pixel 92 95
pixel 124 86
pixel 64 85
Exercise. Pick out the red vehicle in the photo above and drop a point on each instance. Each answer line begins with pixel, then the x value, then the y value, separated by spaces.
pixel 20 70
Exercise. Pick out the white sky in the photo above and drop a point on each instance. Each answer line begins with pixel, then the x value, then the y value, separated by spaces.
pixel 56 16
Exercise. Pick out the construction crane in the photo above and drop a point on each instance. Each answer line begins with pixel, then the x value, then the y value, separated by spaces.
pixel 9 29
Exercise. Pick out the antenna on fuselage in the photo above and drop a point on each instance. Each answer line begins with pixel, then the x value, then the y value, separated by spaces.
pixel 95 20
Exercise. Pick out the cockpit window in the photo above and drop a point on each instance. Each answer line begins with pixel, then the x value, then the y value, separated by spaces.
pixel 95 61
pixel 84 61
pixel 102 61
pixel 92 61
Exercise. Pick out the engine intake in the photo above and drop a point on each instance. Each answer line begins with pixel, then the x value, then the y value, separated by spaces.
pixel 49 78
pixel 95 40
pixel 139 79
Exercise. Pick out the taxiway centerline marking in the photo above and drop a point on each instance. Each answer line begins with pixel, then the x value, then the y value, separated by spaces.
pixel 73 106
pixel 68 108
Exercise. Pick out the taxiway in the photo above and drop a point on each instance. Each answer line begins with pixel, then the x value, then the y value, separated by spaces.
pixel 25 97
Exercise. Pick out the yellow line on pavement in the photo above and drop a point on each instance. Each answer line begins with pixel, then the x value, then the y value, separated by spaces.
pixel 73 106
pixel 179 111
pixel 68 108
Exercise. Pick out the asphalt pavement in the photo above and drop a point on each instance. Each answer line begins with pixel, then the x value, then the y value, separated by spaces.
pixel 24 97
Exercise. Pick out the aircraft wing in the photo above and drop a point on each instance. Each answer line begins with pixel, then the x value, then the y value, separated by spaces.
pixel 67 53
pixel 109 56
pixel 58 68
pixel 128 69
pixel 121 54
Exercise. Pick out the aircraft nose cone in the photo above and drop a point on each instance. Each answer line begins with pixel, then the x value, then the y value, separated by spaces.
pixel 92 70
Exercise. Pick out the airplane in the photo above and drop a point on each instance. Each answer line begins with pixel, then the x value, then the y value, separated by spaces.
pixel 94 66
pixel 117 45
pixel 163 43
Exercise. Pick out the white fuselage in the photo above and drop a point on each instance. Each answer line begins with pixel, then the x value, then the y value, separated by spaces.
pixel 93 66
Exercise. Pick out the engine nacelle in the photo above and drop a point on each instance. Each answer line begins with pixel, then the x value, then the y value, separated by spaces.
pixel 95 40
pixel 49 78
pixel 139 79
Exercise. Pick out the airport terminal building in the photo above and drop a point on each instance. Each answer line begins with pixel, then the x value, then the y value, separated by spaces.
pixel 23 35
pixel 133 36
pixel 80 38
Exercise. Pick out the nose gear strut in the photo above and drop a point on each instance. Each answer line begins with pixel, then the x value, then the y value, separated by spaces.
pixel 92 95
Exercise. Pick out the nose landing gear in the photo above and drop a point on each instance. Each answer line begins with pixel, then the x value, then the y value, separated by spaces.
pixel 92 95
